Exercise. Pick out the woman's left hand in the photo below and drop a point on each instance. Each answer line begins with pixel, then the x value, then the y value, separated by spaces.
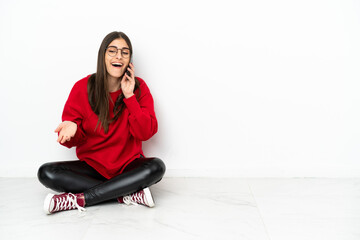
pixel 128 82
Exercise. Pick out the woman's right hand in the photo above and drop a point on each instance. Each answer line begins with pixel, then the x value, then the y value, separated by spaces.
pixel 67 130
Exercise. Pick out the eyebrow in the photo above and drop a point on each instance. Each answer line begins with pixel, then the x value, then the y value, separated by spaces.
pixel 120 48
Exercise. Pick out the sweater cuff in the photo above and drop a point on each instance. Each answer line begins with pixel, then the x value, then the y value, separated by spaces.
pixel 132 104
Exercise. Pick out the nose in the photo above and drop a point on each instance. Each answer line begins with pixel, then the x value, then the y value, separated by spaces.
pixel 118 54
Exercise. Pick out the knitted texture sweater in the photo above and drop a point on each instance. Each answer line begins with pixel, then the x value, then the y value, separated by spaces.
pixel 109 153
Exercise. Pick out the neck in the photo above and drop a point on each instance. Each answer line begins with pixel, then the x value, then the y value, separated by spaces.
pixel 113 84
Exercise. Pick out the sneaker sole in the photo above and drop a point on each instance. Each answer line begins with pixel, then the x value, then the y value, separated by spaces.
pixel 149 197
pixel 47 203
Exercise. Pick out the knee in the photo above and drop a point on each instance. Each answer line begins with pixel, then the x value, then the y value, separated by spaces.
pixel 45 174
pixel 157 168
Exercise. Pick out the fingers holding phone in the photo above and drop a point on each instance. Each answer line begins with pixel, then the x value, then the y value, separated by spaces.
pixel 128 81
pixel 130 71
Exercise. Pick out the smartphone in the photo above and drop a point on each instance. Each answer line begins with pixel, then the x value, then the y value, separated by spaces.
pixel 128 72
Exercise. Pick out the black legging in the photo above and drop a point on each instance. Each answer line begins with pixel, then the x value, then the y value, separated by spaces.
pixel 78 177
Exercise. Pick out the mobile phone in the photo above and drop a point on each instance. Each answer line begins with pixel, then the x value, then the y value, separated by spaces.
pixel 128 72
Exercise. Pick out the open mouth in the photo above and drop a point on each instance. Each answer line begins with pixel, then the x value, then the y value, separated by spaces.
pixel 117 65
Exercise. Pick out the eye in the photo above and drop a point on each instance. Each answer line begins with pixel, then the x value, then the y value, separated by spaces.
pixel 112 51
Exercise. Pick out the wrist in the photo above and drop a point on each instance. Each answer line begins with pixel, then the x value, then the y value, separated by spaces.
pixel 128 96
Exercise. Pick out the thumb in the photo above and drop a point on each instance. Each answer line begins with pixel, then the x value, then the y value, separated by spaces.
pixel 59 127
pixel 123 80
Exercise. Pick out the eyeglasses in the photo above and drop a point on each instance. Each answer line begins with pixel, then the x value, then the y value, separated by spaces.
pixel 112 52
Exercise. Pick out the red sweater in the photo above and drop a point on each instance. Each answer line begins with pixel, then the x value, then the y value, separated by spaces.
pixel 110 153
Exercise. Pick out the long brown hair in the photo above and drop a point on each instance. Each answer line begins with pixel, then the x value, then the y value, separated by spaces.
pixel 97 87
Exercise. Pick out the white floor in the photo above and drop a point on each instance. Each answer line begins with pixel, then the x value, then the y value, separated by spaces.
pixel 195 208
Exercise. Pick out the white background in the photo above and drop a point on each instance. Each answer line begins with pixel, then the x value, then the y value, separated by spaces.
pixel 241 88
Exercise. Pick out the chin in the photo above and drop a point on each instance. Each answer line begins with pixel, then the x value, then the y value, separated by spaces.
pixel 117 75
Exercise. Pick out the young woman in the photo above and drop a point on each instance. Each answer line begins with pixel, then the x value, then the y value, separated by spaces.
pixel 106 117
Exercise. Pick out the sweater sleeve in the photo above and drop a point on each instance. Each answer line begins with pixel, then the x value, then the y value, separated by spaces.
pixel 73 112
pixel 142 119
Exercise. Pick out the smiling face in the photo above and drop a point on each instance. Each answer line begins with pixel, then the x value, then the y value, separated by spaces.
pixel 116 66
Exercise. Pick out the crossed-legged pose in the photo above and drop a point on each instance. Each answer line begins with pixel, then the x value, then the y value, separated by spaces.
pixel 106 117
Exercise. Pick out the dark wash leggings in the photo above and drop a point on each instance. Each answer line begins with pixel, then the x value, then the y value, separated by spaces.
pixel 78 177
